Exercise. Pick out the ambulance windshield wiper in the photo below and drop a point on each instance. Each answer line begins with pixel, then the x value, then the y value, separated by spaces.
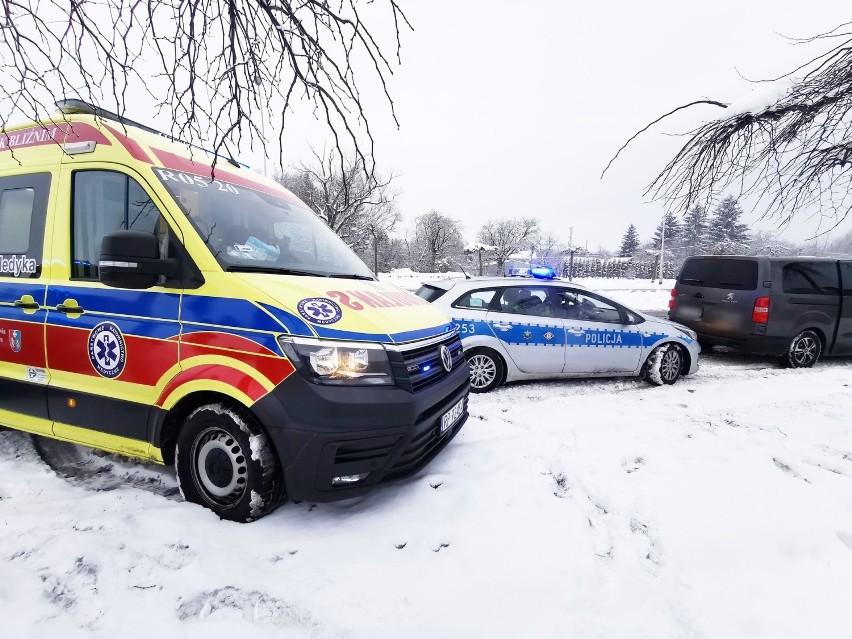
pixel 275 270
pixel 353 276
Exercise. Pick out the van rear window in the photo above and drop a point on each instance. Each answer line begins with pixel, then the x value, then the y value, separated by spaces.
pixel 736 275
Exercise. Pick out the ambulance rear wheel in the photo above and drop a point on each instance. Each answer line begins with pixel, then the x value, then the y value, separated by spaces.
pixel 224 461
pixel 486 369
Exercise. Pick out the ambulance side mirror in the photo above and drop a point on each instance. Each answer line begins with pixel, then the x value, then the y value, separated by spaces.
pixel 131 259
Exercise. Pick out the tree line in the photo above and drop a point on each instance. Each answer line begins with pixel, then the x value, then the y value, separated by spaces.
pixel 361 206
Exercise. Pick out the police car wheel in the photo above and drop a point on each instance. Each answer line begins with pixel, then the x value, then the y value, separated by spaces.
pixel 664 365
pixel 224 462
pixel 804 350
pixel 486 369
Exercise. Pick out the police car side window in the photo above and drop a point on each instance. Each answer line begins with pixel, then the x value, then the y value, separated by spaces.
pixel 106 201
pixel 528 300
pixel 580 306
pixel 23 208
pixel 477 300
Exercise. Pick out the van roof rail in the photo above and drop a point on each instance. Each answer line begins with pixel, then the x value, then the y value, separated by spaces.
pixel 74 106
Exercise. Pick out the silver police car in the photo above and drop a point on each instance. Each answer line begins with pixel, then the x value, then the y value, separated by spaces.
pixel 542 327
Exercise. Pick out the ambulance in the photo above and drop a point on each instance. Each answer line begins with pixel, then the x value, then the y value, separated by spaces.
pixel 162 305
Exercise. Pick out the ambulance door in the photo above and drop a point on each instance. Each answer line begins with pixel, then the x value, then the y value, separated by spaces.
pixel 23 375
pixel 526 326
pixel 599 341
pixel 110 351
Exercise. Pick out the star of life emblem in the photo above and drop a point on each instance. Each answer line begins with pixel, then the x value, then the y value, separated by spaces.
pixel 107 350
pixel 319 310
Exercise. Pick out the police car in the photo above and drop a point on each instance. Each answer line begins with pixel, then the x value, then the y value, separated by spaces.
pixel 539 327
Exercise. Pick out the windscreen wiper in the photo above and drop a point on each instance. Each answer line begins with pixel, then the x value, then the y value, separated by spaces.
pixel 275 270
pixel 353 276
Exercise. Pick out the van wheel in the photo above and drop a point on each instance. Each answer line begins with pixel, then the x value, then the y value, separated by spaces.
pixel 224 461
pixel 486 369
pixel 664 365
pixel 804 350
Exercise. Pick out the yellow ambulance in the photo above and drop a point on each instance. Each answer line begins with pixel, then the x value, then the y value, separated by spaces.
pixel 158 304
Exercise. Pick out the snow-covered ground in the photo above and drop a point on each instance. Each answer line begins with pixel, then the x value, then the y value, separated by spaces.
pixel 718 507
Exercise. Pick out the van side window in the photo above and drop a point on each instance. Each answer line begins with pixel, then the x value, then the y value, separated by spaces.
pixel 23 208
pixel 811 278
pixel 106 201
pixel 846 278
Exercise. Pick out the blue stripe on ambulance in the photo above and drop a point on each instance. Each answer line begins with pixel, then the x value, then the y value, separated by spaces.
pixel 13 291
pixel 117 302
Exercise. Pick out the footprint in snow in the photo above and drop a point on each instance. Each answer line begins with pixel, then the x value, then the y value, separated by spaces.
pixel 73 592
pixel 254 606
pixel 634 465
pixel 845 538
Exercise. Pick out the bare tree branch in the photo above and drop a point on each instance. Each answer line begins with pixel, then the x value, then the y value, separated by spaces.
pixel 217 69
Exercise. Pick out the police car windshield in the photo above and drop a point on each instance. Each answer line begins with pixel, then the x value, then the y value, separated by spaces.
pixel 248 230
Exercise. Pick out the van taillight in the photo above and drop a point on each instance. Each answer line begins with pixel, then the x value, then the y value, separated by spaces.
pixel 672 300
pixel 760 314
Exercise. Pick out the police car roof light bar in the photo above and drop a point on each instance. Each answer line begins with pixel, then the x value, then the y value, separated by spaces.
pixel 543 272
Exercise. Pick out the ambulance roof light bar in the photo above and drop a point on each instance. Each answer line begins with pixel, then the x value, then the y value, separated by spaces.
pixel 72 106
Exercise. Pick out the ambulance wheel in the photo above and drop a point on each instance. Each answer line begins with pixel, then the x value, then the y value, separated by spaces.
pixel 224 461
pixel 664 365
pixel 486 369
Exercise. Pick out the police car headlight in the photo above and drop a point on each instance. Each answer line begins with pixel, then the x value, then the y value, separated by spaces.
pixel 340 363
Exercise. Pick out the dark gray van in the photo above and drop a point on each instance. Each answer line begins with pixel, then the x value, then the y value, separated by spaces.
pixel 798 308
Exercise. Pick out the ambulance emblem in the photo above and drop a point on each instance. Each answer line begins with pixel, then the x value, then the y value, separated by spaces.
pixel 107 351
pixel 15 341
pixel 319 310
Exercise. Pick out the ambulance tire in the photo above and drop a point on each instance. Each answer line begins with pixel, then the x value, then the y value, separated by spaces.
pixel 224 462
pixel 664 365
pixel 487 369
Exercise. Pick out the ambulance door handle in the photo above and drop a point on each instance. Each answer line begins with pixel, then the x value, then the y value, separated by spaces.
pixel 27 304
pixel 70 310
pixel 576 331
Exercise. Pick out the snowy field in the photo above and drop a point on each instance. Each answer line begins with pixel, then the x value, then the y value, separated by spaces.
pixel 718 507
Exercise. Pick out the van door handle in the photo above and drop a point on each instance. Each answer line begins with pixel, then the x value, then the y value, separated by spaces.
pixel 699 295
pixel 27 304
pixel 70 309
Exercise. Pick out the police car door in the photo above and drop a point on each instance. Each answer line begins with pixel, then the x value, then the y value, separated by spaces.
pixel 598 339
pixel 527 328
pixel 23 374
pixel 107 348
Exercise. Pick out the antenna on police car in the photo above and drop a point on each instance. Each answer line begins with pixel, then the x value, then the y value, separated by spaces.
pixel 466 276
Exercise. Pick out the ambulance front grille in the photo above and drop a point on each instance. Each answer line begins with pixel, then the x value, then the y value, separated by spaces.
pixel 418 368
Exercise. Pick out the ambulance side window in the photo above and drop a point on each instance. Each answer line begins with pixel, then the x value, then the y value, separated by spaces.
pixel 107 201
pixel 23 209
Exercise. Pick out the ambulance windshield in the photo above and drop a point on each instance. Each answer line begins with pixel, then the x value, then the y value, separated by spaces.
pixel 249 230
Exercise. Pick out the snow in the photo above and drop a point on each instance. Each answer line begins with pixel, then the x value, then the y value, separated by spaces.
pixel 761 98
pixel 717 507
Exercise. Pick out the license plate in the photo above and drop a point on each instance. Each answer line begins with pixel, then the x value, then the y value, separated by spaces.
pixel 452 416
pixel 689 312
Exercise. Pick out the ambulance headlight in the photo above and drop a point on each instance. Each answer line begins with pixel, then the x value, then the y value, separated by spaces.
pixel 340 363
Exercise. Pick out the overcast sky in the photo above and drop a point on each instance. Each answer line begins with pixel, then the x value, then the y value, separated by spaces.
pixel 511 109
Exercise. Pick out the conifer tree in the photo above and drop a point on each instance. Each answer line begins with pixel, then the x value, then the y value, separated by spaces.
pixel 672 229
pixel 728 236
pixel 630 242
pixel 694 233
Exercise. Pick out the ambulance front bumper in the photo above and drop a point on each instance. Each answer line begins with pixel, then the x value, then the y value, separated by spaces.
pixel 335 442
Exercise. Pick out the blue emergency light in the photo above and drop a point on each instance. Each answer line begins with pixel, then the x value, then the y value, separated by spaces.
pixel 543 272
